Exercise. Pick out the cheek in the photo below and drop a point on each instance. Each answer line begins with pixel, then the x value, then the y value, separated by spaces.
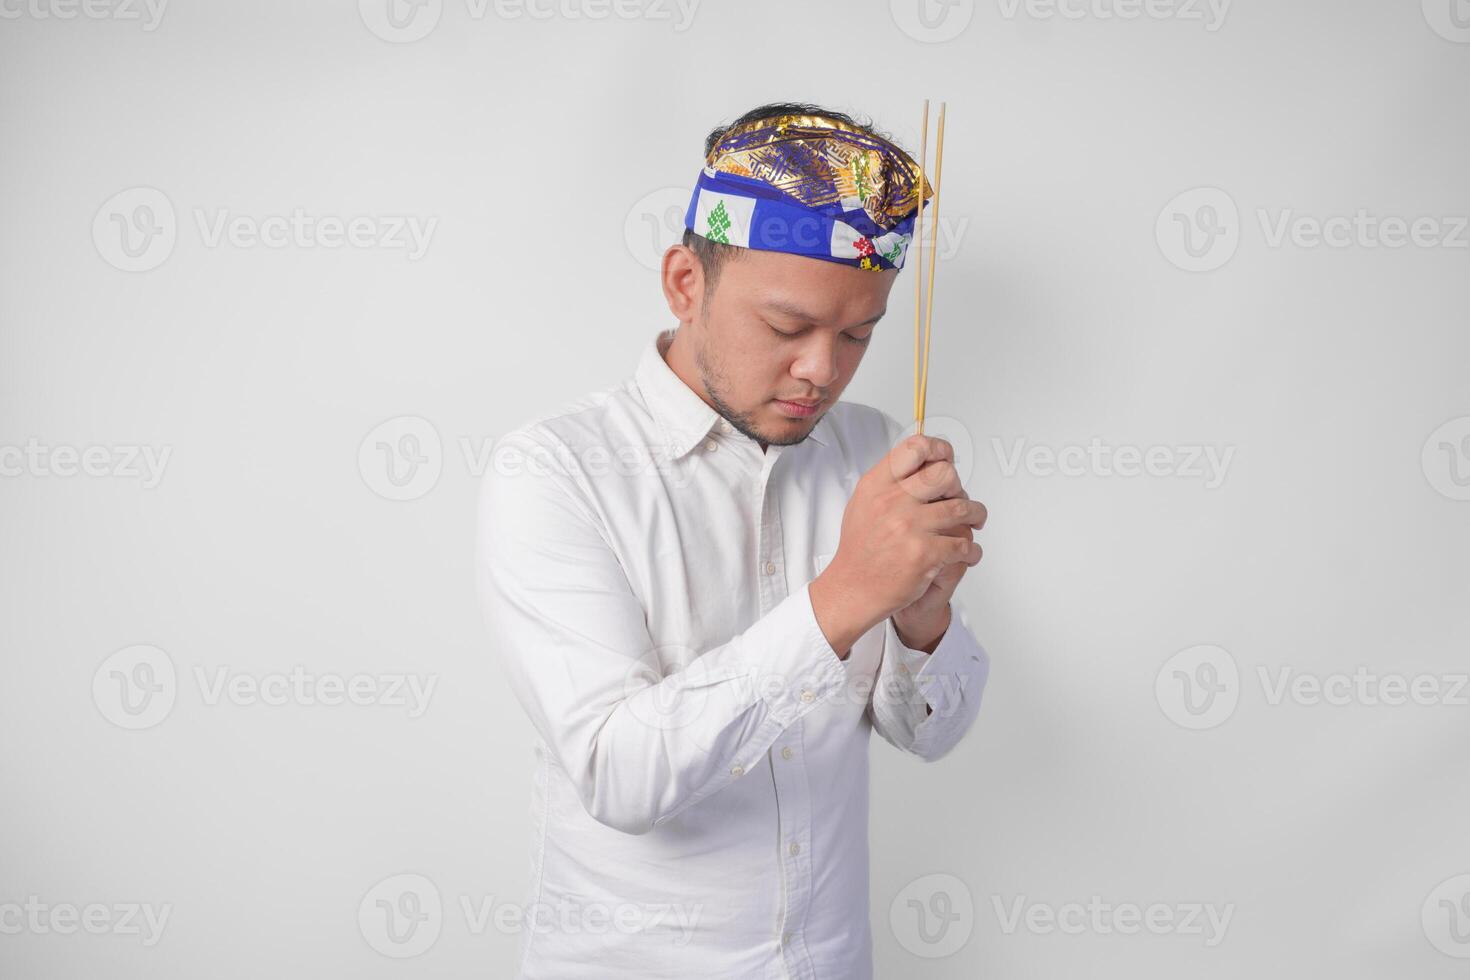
pixel 756 357
pixel 754 377
pixel 848 362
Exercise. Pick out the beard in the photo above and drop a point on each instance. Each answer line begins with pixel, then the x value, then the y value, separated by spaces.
pixel 715 384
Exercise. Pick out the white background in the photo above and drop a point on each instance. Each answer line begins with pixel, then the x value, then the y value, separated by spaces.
pixel 553 154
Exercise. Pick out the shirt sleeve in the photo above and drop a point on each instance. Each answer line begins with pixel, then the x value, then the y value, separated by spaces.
pixel 923 703
pixel 642 732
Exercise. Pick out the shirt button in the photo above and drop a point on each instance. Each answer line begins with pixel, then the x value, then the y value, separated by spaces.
pixel 795 848
pixel 903 668
pixel 770 567
pixel 786 753
pixel 711 445
pixel 737 770
pixel 786 939
pixel 807 696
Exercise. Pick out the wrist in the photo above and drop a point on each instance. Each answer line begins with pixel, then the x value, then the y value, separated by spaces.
pixel 838 614
pixel 923 634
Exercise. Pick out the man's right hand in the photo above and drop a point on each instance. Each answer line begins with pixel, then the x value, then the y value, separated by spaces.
pixel 893 541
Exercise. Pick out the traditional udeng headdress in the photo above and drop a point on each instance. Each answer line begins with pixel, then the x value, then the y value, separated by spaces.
pixel 809 185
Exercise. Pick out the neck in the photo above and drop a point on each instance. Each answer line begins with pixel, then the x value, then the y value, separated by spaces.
pixel 678 354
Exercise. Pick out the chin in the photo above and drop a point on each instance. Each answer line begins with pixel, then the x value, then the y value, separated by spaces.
pixel 786 431
pixel 785 423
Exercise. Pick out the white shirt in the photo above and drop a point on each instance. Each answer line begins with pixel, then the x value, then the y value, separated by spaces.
pixel 700 793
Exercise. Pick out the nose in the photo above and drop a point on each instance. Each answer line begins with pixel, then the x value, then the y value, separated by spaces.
pixel 817 362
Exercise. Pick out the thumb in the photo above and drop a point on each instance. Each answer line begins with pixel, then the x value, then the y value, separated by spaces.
pixel 912 453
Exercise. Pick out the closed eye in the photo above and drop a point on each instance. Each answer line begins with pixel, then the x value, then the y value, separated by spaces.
pixel 847 336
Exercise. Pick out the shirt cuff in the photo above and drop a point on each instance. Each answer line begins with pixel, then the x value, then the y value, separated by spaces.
pixel 920 679
pixel 792 665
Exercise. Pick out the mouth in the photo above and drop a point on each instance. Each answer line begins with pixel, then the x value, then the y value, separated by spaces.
pixel 799 409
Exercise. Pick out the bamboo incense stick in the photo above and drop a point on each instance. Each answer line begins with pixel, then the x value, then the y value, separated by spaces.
pixel 929 299
pixel 919 262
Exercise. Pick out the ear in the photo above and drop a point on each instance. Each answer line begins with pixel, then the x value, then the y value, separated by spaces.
pixel 682 278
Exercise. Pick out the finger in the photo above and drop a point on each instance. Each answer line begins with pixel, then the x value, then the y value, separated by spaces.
pixel 914 452
pixel 950 577
pixel 946 549
pixel 961 492
pixel 935 481
pixel 950 512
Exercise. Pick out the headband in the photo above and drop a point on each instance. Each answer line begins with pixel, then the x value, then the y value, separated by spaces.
pixel 809 185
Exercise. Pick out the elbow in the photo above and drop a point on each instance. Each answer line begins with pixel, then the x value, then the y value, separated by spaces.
pixel 611 811
pixel 613 793
pixel 626 821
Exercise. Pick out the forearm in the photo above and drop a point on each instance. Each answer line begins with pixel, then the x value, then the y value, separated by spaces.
pixel 638 743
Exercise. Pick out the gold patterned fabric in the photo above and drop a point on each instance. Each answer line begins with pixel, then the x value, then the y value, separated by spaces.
pixel 813 186
pixel 821 161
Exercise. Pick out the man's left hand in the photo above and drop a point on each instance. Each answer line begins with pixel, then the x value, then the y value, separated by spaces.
pixel 922 623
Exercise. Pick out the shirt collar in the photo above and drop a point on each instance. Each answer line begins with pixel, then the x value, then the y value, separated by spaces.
pixel 684 418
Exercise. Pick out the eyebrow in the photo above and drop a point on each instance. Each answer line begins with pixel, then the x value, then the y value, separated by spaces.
pixel 792 310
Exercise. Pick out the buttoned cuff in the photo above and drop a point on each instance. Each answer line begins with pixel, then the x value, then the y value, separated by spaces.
pixel 920 681
pixel 793 666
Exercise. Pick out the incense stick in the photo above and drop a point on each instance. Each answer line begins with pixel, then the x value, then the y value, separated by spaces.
pixel 923 388
pixel 919 261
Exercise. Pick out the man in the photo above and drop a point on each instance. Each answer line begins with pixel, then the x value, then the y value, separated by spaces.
pixel 710 582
